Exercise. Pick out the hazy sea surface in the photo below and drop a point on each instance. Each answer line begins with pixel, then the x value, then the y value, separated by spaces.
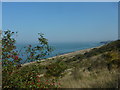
pixel 62 48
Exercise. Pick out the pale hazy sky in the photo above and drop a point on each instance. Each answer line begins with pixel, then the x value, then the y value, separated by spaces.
pixel 0 16
pixel 62 22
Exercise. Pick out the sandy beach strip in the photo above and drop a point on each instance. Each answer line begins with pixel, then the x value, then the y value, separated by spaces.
pixel 65 55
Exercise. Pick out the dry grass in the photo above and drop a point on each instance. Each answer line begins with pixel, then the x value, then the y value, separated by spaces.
pixel 93 79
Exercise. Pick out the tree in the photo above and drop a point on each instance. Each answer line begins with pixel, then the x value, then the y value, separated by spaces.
pixel 11 59
pixel 11 54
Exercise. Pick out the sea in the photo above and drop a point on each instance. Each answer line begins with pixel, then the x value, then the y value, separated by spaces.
pixel 60 48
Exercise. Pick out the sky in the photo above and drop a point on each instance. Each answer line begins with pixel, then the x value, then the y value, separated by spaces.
pixel 60 0
pixel 119 20
pixel 0 15
pixel 61 21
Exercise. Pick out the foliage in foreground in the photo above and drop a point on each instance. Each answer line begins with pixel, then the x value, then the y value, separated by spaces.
pixel 37 76
pixel 11 62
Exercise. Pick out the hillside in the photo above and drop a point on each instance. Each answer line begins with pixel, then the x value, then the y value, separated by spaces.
pixel 95 68
pixel 98 68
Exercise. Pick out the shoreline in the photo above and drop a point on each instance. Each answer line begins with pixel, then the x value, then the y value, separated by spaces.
pixel 65 55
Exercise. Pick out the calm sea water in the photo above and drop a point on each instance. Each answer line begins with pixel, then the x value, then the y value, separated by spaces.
pixel 62 48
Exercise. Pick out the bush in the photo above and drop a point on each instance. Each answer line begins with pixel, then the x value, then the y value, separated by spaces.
pixel 31 77
pixel 11 60
pixel 56 69
pixel 112 46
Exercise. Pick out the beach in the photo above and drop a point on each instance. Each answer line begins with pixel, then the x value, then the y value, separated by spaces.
pixel 71 54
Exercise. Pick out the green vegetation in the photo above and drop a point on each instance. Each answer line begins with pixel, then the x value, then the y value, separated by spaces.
pixel 112 46
pixel 98 68
pixel 56 69
pixel 11 61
